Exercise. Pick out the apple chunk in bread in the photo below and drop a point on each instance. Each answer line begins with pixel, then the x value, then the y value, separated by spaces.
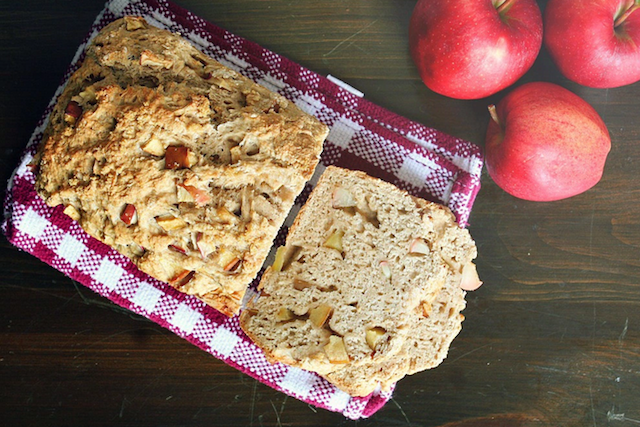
pixel 336 351
pixel 284 315
pixel 342 198
pixel 170 222
pixel 72 112
pixel 178 157
pixel 470 280
pixel 419 246
pixel 320 314
pixel 374 335
pixel 190 194
pixel 334 241
pixel 129 214
pixel 153 146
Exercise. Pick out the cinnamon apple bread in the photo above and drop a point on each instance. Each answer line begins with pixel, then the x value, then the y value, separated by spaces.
pixel 365 266
pixel 176 161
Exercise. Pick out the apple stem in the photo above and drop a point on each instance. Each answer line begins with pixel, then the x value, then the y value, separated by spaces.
pixel 620 19
pixel 494 114
pixel 504 5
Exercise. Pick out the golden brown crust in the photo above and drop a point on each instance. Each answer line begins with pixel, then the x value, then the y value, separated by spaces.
pixel 210 161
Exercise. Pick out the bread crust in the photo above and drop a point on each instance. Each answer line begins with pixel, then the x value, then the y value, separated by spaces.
pixel 210 161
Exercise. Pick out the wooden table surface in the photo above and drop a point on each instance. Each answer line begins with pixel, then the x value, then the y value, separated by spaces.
pixel 552 338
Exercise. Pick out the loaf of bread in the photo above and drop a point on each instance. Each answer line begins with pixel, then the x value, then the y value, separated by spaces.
pixel 367 285
pixel 176 161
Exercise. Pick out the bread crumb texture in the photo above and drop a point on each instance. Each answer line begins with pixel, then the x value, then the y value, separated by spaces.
pixel 179 163
pixel 367 288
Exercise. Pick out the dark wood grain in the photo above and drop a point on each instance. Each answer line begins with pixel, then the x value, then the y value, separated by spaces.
pixel 552 339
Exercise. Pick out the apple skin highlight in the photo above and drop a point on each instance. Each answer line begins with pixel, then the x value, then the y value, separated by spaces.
pixel 549 143
pixel 471 50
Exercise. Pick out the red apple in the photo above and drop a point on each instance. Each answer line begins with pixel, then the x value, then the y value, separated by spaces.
pixel 595 43
pixel 473 49
pixel 545 143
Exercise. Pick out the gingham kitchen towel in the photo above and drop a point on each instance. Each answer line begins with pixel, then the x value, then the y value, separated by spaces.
pixel 362 136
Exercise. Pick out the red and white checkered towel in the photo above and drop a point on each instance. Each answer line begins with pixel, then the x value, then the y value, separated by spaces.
pixel 363 136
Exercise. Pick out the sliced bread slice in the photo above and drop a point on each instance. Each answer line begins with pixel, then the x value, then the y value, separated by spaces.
pixel 361 259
